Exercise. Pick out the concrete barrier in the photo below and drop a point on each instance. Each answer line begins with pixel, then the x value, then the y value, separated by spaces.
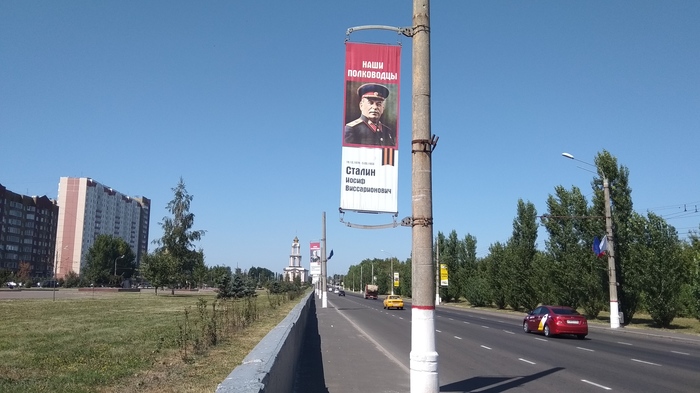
pixel 271 366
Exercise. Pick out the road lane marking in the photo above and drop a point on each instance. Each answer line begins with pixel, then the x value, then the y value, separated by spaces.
pixel 623 343
pixel 649 363
pixel 451 319
pixel 466 322
pixel 508 331
pixel 541 339
pixel 485 347
pixel 458 338
pixel 439 331
pixel 585 349
pixel 485 327
pixel 526 361
pixel 680 353
pixel 596 385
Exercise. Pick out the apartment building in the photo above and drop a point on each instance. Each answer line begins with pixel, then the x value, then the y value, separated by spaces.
pixel 89 209
pixel 27 232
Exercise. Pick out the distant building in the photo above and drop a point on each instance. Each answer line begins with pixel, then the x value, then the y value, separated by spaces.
pixel 295 269
pixel 27 232
pixel 89 209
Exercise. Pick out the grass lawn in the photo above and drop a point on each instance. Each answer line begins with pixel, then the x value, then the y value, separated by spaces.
pixel 118 342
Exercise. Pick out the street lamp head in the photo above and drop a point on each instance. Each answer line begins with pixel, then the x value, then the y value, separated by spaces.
pixel 567 155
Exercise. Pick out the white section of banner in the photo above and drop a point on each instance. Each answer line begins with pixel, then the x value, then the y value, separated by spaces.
pixel 367 185
pixel 315 269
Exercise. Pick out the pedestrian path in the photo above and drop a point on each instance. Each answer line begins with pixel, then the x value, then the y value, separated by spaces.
pixel 338 358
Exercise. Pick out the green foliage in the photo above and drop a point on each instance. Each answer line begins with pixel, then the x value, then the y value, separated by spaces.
pixel 107 254
pixel 178 259
pixel 71 280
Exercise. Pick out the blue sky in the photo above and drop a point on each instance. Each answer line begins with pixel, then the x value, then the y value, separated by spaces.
pixel 244 101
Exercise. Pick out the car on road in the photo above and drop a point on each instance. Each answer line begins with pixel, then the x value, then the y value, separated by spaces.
pixel 335 290
pixel 393 301
pixel 341 292
pixel 555 320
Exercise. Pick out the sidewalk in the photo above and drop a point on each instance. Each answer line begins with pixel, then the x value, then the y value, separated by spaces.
pixel 338 358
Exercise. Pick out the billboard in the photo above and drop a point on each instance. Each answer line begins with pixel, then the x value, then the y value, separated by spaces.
pixel 370 137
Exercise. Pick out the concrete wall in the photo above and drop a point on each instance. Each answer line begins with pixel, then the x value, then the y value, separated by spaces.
pixel 271 365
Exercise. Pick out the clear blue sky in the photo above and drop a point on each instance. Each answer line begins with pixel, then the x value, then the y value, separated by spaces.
pixel 244 100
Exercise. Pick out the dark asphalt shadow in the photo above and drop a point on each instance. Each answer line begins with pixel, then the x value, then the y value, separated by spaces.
pixel 479 383
pixel 310 375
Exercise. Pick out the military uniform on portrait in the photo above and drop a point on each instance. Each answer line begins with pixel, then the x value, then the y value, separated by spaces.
pixel 362 132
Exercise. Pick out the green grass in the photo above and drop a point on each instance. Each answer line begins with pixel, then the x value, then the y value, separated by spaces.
pixel 118 342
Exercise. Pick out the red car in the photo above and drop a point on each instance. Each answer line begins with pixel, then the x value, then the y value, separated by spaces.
pixel 553 320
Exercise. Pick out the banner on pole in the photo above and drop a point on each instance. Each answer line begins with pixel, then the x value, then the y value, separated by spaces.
pixel 396 279
pixel 370 137
pixel 315 258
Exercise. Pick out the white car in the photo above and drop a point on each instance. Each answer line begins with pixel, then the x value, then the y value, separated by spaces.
pixel 336 290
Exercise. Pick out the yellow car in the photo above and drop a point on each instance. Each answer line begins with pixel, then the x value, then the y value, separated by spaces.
pixel 393 301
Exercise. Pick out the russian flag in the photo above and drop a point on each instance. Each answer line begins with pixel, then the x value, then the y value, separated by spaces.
pixel 600 246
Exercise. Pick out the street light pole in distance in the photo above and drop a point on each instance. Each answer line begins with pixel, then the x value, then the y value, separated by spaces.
pixel 391 275
pixel 612 276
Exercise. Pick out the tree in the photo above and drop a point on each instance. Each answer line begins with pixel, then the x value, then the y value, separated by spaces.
pixel 663 268
pixel 577 276
pixel 106 254
pixel 178 240
pixel 626 267
pixel 523 246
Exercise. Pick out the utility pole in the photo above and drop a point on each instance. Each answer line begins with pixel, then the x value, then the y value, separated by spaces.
pixel 424 356
pixel 437 273
pixel 324 296
pixel 612 277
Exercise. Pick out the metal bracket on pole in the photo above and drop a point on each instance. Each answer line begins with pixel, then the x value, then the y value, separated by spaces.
pixel 407 31
pixel 405 222
pixel 425 145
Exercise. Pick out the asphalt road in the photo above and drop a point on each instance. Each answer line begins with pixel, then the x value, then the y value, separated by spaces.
pixel 489 352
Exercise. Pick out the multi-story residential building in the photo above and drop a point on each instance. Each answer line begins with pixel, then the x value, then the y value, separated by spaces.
pixel 89 209
pixel 27 232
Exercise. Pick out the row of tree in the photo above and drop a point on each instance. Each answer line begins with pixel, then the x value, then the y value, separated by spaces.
pixel 656 271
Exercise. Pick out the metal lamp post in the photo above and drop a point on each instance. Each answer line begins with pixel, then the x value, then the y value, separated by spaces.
pixel 115 263
pixel 612 277
pixel 391 275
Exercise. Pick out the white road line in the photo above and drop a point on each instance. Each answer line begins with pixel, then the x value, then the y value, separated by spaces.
pixel 680 353
pixel 458 338
pixel 451 319
pixel 642 361
pixel 620 342
pixel 400 317
pixel 541 339
pixel 485 327
pixel 484 346
pixel 508 331
pixel 439 331
pixel 596 385
pixel 585 349
pixel 526 361
pixel 466 322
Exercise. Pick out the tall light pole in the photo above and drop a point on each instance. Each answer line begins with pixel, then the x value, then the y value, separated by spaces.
pixel 424 356
pixel 612 277
pixel 391 275
pixel 115 263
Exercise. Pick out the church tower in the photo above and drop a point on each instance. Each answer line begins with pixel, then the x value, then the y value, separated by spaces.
pixel 295 269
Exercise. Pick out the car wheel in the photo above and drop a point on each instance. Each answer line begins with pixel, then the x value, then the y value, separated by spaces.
pixel 525 328
pixel 581 336
pixel 547 333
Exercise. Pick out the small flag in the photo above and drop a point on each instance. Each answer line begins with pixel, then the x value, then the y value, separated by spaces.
pixel 596 246
pixel 603 246
pixel 331 255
